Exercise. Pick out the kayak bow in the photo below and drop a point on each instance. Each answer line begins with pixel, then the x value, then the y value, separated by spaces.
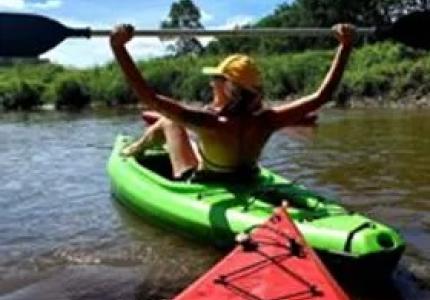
pixel 271 262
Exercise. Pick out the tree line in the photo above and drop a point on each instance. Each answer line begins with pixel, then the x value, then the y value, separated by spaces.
pixel 383 72
pixel 298 13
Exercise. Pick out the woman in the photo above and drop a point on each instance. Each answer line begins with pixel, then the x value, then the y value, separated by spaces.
pixel 233 130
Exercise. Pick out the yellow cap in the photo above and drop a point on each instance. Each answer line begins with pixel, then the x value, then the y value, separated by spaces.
pixel 240 69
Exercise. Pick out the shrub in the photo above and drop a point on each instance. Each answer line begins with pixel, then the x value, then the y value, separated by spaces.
pixel 20 95
pixel 195 87
pixel 69 92
pixel 387 71
pixel 107 86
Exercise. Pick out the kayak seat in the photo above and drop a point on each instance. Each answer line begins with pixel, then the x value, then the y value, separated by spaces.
pixel 247 175
pixel 159 163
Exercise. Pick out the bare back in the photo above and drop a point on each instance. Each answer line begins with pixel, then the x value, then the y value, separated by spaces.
pixel 234 143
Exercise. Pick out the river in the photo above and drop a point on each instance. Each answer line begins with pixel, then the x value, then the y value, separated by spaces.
pixel 62 235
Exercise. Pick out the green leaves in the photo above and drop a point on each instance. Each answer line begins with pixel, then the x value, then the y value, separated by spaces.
pixel 20 95
pixel 69 92
pixel 386 71
pixel 318 13
pixel 184 14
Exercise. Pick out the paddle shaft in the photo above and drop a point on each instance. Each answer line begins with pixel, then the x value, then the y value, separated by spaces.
pixel 29 35
pixel 259 32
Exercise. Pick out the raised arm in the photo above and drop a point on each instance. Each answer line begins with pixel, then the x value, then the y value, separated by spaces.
pixel 164 105
pixel 293 112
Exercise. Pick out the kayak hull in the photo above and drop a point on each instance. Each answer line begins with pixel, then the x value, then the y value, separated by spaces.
pixel 272 261
pixel 217 211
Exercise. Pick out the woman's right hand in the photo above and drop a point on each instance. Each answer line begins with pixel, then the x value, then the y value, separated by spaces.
pixel 344 33
pixel 121 34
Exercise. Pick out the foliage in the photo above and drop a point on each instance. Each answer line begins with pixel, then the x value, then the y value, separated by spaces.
pixel 20 95
pixel 21 85
pixel 69 92
pixel 382 70
pixel 180 78
pixel 317 13
pixel 184 14
pixel 107 85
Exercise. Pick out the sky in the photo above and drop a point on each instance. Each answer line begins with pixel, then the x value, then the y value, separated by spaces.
pixel 143 14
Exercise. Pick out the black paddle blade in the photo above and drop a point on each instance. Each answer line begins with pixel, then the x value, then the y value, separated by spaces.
pixel 410 30
pixel 27 35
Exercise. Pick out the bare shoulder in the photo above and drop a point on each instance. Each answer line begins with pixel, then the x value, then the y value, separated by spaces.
pixel 200 117
pixel 265 115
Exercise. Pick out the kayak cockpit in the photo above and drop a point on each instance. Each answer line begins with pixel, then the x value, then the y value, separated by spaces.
pixel 158 162
pixel 260 186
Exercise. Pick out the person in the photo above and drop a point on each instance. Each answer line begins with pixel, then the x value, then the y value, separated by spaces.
pixel 232 131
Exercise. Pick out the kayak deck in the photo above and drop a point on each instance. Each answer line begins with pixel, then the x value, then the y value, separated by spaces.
pixel 217 211
pixel 270 262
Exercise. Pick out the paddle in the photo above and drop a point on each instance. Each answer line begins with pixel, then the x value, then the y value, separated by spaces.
pixel 28 35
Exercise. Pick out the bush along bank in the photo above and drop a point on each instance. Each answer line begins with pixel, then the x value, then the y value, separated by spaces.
pixel 377 75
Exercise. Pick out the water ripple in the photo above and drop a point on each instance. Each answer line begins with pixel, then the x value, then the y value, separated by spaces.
pixel 60 231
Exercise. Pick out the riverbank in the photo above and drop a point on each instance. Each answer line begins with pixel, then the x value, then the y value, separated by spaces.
pixel 410 103
pixel 378 75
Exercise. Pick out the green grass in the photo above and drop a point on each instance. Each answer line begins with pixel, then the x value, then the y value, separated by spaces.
pixel 385 70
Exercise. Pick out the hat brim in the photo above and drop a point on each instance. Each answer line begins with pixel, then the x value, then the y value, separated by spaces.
pixel 211 71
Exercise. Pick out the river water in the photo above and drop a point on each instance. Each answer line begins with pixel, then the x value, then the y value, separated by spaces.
pixel 62 236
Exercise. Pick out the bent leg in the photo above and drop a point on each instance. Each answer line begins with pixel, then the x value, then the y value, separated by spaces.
pixel 152 136
pixel 181 152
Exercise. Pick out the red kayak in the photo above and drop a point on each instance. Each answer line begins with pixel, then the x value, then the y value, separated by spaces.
pixel 271 262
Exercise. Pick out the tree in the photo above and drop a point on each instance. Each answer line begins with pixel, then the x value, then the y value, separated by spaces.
pixel 319 13
pixel 184 14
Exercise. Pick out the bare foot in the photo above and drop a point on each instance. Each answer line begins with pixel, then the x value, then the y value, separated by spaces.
pixel 131 150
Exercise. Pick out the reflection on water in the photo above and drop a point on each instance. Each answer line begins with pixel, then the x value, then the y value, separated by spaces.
pixel 63 237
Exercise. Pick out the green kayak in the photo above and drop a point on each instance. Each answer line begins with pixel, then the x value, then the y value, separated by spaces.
pixel 217 211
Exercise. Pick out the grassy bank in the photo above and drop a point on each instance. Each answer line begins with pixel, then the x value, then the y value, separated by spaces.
pixel 382 72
